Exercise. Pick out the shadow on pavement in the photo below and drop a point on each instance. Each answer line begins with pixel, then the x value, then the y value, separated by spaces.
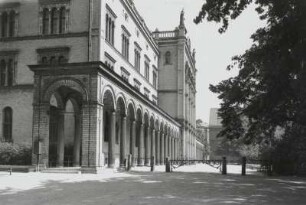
pixel 163 188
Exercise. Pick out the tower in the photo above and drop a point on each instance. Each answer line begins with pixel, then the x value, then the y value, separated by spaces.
pixel 177 94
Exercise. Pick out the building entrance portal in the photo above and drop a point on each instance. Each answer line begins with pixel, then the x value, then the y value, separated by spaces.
pixel 65 128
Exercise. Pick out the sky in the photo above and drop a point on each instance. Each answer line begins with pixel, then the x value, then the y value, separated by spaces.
pixel 213 50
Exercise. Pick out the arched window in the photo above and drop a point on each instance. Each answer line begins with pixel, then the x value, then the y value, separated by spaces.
pixel 7 124
pixel 12 24
pixel 2 72
pixel 4 25
pixel 62 21
pixel 168 57
pixel 53 60
pixel 10 72
pixel 54 21
pixel 61 60
pixel 45 21
pixel 44 60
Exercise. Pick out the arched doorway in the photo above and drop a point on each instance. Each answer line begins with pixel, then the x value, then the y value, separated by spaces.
pixel 65 128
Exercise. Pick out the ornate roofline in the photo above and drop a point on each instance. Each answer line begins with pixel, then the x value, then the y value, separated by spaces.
pixel 130 7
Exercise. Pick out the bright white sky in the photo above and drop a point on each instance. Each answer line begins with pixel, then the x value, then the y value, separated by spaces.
pixel 214 51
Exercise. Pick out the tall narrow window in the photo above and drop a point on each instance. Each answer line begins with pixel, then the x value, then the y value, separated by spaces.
pixel 45 21
pixel 110 25
pixel 10 73
pixel 44 60
pixel 154 80
pixel 54 21
pixel 125 46
pixel 7 124
pixel 147 70
pixel 110 32
pixel 2 72
pixel 168 57
pixel 53 60
pixel 62 21
pixel 61 60
pixel 4 25
pixel 12 23
pixel 137 60
pixel 107 27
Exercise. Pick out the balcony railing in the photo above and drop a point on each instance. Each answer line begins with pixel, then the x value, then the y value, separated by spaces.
pixel 165 34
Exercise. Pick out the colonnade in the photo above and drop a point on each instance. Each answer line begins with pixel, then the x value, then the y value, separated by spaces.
pixel 144 141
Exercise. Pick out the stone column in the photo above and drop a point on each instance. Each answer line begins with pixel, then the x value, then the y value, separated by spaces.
pixel 41 133
pixel 112 141
pixel 122 141
pixel 169 146
pixel 77 141
pixel 172 147
pixel 162 148
pixel 132 143
pixel 175 148
pixel 153 143
pixel 147 151
pixel 166 146
pixel 157 147
pixel 61 140
pixel 141 146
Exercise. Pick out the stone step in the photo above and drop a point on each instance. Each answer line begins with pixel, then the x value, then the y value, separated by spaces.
pixel 65 170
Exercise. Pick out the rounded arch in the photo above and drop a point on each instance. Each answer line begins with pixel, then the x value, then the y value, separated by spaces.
pixel 146 118
pixel 122 97
pixel 139 115
pixel 161 126
pixel 59 101
pixel 131 109
pixel 168 57
pixel 166 128
pixel 109 89
pixel 139 107
pixel 75 104
pixel 146 111
pixel 131 102
pixel 121 107
pixel 156 124
pixel 65 82
pixel 152 120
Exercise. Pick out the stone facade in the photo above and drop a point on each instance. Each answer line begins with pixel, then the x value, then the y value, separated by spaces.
pixel 86 87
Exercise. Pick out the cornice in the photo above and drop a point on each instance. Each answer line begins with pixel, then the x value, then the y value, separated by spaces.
pixel 42 37
pixel 140 24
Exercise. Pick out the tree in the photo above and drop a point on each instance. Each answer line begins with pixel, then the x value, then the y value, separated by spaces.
pixel 270 89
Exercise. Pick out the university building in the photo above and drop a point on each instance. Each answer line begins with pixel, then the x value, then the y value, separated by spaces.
pixel 90 84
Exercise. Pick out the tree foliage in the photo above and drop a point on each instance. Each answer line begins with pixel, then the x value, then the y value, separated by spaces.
pixel 270 89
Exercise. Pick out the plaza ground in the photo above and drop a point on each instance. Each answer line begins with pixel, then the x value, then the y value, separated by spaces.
pixel 142 187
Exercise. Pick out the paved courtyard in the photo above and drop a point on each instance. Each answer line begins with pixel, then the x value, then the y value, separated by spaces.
pixel 111 188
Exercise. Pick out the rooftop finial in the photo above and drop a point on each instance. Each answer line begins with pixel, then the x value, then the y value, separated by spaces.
pixel 182 19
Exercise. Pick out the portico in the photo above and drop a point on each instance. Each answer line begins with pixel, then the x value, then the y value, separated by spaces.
pixel 86 116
